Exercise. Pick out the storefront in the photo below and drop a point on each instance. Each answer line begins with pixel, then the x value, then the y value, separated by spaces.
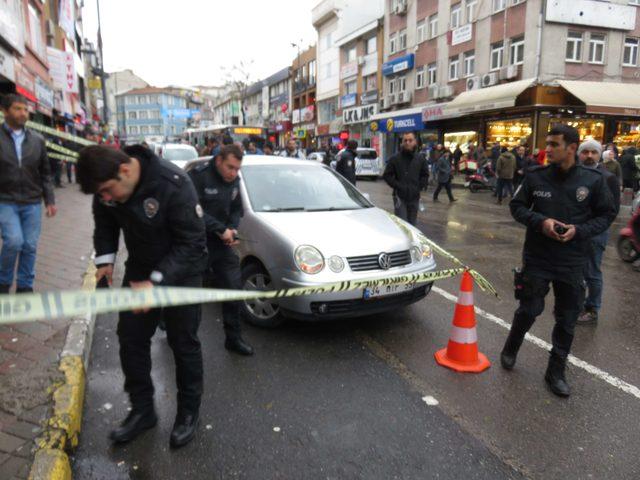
pixel 303 128
pixel 509 133
pixel 452 140
pixel 391 126
pixel 357 122
pixel 627 134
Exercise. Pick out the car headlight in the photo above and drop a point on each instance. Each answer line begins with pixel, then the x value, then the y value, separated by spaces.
pixel 420 252
pixel 416 254
pixel 309 259
pixel 336 264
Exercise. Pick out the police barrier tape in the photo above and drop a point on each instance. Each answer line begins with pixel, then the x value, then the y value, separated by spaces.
pixel 62 157
pixel 56 133
pixel 60 149
pixel 27 307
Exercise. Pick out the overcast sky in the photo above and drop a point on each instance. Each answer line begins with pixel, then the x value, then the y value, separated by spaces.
pixel 186 42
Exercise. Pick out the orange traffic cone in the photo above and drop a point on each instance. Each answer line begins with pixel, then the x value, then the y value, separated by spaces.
pixel 462 353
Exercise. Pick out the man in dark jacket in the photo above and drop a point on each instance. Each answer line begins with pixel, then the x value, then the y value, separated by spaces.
pixel 563 205
pixel 629 169
pixel 156 207
pixel 218 188
pixel 346 166
pixel 25 180
pixel 443 176
pixel 406 173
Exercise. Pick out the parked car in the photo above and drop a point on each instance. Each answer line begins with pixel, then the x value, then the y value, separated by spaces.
pixel 178 154
pixel 317 156
pixel 367 163
pixel 305 225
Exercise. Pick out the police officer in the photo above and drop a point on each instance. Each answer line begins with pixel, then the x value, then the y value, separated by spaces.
pixel 156 207
pixel 346 166
pixel 562 205
pixel 218 188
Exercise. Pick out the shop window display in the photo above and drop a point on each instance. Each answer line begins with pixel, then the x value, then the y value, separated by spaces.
pixel 509 133
pixel 462 139
pixel 589 129
pixel 627 134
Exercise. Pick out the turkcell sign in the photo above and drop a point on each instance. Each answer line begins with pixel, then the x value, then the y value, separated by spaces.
pixel 398 65
pixel 404 123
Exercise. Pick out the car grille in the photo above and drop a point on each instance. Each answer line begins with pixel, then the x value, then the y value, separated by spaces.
pixel 370 262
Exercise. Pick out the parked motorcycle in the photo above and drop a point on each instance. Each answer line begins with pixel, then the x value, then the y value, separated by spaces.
pixel 483 179
pixel 629 237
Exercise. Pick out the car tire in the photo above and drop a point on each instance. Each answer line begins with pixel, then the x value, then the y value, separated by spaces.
pixel 474 187
pixel 260 312
pixel 626 250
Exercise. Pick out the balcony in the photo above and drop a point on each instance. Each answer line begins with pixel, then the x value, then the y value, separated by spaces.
pixel 303 85
pixel 323 12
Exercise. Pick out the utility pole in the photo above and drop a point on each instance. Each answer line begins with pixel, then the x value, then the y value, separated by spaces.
pixel 105 106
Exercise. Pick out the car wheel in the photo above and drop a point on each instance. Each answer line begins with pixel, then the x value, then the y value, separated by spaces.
pixel 474 187
pixel 262 312
pixel 626 250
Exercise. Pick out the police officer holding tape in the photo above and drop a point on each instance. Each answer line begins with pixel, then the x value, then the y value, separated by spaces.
pixel 218 188
pixel 156 207
pixel 562 205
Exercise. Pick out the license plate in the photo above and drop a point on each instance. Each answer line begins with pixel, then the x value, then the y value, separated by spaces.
pixel 384 290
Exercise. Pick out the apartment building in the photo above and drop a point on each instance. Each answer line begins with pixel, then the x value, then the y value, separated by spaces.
pixel 304 118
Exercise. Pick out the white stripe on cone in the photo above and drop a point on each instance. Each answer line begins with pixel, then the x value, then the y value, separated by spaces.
pixel 465 298
pixel 463 335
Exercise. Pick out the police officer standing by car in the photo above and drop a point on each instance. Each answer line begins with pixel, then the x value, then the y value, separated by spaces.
pixel 156 207
pixel 218 188
pixel 563 205
pixel 346 165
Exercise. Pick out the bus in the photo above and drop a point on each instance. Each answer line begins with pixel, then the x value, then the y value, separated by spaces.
pixel 198 136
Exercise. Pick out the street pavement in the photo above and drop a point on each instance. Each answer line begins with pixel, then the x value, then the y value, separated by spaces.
pixel 365 399
pixel 29 352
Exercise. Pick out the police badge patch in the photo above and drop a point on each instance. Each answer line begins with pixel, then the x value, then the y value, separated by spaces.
pixel 199 211
pixel 582 193
pixel 234 193
pixel 151 207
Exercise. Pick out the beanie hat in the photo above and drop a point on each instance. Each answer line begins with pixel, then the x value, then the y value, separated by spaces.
pixel 590 145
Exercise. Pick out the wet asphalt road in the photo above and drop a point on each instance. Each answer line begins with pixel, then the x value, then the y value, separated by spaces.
pixel 346 398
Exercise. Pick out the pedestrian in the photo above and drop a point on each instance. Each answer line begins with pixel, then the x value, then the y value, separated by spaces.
pixel 346 165
pixel 252 149
pixel 589 156
pixel 406 173
pixel 457 155
pixel 629 168
pixel 505 170
pixel 156 207
pixel 611 164
pixel 562 205
pixel 292 150
pixel 207 150
pixel 520 154
pixel 496 150
pixel 613 148
pixel 25 181
pixel 218 188
pixel 268 149
pixel 444 176
pixel 434 156
pixel 69 170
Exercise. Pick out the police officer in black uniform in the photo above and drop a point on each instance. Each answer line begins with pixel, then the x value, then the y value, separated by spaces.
pixel 218 188
pixel 562 205
pixel 156 207
pixel 346 166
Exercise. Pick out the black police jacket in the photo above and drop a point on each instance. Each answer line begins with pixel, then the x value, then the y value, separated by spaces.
pixel 407 173
pixel 161 222
pixel 578 197
pixel 346 166
pixel 220 200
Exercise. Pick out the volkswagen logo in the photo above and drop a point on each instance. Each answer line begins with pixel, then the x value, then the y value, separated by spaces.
pixel 384 260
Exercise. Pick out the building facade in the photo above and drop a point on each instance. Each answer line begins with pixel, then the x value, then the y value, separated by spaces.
pixel 304 115
pixel 116 84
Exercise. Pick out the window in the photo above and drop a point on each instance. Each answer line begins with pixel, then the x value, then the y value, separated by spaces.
pixel 351 55
pixel 432 74
pixel 326 42
pixel 596 48
pixel 499 5
pixel 516 2
pixel 132 116
pixel 402 83
pixel 420 80
pixel 154 114
pixel 393 43
pixel 469 63
pixel 35 31
pixel 312 72
pixel 403 39
pixel 454 68
pixel 129 100
pixel 574 47
pixel 433 26
pixel 143 115
pixel 456 15
pixel 351 87
pixel 144 129
pixel 634 2
pixel 630 55
pixel 370 82
pixel 392 86
pixel 372 45
pixel 516 51
pixel 133 130
pixel 155 129
pixel 497 54
pixel 471 10
pixel 421 34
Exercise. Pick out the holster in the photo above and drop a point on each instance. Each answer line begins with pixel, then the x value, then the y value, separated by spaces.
pixel 526 286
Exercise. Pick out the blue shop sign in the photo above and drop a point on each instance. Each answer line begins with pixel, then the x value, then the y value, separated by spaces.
pixel 404 123
pixel 176 113
pixel 348 100
pixel 398 65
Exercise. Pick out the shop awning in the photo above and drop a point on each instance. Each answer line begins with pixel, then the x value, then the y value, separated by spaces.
pixel 605 97
pixel 490 98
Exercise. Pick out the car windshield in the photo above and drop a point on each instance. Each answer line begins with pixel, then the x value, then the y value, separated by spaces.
pixel 184 153
pixel 287 188
pixel 367 154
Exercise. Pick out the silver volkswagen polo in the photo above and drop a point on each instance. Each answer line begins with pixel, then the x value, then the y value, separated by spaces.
pixel 305 225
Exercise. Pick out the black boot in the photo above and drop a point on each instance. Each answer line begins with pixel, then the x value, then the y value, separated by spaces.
pixel 555 376
pixel 238 345
pixel 184 428
pixel 136 422
pixel 511 347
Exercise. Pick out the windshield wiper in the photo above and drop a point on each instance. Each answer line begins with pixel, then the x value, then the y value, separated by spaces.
pixel 286 209
pixel 330 209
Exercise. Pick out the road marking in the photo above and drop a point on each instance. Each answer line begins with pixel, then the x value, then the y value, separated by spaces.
pixel 593 370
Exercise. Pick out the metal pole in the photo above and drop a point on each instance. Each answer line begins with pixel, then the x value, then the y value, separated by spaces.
pixel 105 107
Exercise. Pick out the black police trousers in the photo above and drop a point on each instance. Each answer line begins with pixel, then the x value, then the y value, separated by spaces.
pixel 224 266
pixel 569 296
pixel 134 334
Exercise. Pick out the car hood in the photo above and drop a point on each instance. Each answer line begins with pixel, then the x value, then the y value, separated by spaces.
pixel 345 233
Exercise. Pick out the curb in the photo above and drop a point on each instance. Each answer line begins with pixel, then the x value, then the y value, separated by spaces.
pixel 62 429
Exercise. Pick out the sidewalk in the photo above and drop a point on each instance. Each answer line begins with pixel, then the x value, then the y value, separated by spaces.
pixel 29 352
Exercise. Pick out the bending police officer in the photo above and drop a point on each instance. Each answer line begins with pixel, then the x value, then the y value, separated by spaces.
pixel 156 207
pixel 218 188
pixel 563 205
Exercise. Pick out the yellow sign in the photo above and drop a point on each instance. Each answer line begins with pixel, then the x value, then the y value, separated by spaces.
pixel 390 125
pixel 247 131
pixel 374 126
pixel 95 83
pixel 300 133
